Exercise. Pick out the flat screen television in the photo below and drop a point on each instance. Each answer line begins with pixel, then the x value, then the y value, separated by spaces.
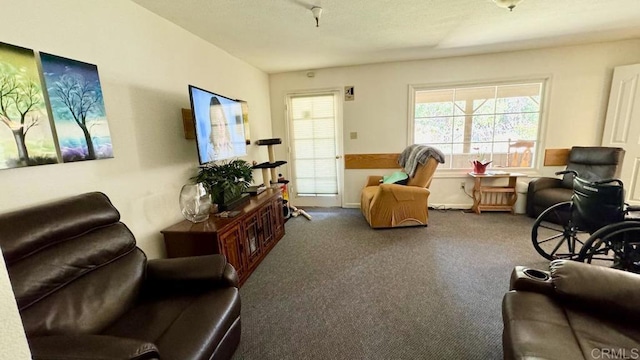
pixel 219 125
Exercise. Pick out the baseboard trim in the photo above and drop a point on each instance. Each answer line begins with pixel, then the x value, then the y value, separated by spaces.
pixel 351 206
pixel 450 206
pixel 434 206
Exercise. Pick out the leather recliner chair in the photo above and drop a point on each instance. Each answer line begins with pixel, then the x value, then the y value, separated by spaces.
pixel 85 291
pixel 581 311
pixel 592 164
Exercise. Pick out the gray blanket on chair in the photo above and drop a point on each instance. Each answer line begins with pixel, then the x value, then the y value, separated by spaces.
pixel 418 154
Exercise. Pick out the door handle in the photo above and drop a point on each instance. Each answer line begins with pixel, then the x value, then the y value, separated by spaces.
pixel 338 157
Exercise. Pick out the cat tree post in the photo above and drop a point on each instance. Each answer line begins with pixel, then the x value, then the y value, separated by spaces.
pixel 269 167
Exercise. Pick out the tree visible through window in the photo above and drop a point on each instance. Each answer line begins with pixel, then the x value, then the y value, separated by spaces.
pixel 496 122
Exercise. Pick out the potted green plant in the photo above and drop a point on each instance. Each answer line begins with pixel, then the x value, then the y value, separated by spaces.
pixel 225 181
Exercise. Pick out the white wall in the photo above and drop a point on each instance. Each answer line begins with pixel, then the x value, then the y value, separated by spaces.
pixel 579 90
pixel 145 64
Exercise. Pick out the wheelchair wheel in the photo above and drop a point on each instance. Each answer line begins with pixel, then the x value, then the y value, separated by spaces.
pixel 554 236
pixel 616 245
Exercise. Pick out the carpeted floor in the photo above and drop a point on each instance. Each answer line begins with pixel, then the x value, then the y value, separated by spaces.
pixel 335 289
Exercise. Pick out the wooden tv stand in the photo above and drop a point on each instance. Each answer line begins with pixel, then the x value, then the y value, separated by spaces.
pixel 244 239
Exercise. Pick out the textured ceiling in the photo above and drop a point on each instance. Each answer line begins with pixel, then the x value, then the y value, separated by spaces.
pixel 280 35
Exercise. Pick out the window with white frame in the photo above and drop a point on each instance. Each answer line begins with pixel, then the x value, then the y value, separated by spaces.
pixel 492 122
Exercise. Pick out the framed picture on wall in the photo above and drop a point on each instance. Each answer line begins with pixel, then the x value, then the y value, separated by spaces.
pixel 26 137
pixel 77 107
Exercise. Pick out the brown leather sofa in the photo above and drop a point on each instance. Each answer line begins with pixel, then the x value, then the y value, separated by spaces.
pixel 85 291
pixel 581 311
pixel 591 162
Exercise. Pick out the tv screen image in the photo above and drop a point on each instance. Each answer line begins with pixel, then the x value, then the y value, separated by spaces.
pixel 219 125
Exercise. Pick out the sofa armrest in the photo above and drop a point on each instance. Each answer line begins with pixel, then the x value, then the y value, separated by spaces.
pixel 403 192
pixel 193 272
pixel 373 180
pixel 607 289
pixel 535 186
pixel 543 183
pixel 533 280
pixel 388 196
pixel 99 347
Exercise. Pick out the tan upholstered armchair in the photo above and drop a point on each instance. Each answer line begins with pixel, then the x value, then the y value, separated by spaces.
pixel 392 205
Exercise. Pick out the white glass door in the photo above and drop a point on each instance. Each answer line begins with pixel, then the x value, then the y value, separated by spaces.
pixel 315 157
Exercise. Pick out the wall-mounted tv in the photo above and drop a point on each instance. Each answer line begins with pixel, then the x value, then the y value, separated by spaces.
pixel 219 125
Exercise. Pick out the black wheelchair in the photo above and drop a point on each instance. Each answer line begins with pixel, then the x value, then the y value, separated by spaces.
pixel 593 227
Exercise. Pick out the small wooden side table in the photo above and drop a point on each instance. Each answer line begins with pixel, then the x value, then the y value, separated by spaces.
pixel 494 198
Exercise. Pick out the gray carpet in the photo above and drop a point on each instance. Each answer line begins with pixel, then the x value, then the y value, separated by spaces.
pixel 335 289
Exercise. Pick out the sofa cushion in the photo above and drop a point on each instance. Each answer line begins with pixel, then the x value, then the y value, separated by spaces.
pixel 180 326
pixel 536 327
pixel 593 163
pixel 78 347
pixel 398 177
pixel 598 335
pixel 73 266
pixel 54 267
pixel 90 302
pixel 30 230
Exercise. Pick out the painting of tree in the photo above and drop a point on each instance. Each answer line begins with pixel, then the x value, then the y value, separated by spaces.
pixel 25 132
pixel 77 107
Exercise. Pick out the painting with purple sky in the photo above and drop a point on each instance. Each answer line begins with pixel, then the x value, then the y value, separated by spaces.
pixel 77 108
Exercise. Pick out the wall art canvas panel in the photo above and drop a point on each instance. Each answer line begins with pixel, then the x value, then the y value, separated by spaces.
pixel 26 137
pixel 77 108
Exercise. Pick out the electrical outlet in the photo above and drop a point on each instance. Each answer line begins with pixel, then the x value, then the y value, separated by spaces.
pixel 462 185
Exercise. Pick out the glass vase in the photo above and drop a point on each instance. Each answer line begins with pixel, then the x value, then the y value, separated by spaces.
pixel 195 202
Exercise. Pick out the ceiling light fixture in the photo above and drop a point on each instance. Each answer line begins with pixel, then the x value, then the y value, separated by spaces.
pixel 507 4
pixel 317 12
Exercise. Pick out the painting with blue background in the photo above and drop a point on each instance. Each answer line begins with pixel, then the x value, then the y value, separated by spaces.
pixel 77 106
